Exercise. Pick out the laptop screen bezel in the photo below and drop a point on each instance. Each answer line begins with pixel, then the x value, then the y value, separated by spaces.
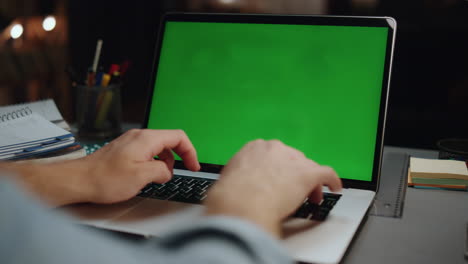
pixel 386 22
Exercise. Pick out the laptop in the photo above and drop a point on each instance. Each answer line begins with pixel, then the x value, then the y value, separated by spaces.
pixel 318 83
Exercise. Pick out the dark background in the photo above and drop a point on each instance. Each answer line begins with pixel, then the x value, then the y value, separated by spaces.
pixel 429 86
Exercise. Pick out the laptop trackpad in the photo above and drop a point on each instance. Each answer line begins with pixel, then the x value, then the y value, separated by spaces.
pixel 100 214
pixel 152 217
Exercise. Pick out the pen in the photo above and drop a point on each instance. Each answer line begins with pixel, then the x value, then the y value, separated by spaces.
pixel 99 76
pixel 105 79
pixel 113 68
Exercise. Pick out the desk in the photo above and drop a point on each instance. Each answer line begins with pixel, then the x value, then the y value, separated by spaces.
pixel 432 229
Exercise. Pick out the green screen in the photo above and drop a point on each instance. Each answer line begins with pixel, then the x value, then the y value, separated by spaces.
pixel 316 88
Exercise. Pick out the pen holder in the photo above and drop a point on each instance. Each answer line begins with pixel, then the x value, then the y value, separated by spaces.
pixel 98 111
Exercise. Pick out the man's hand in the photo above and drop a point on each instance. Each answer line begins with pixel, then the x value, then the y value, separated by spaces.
pixel 266 181
pixel 116 172
pixel 120 169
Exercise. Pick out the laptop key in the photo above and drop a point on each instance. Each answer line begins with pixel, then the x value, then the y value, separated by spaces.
pixel 164 195
pixel 177 179
pixel 190 180
pixel 331 196
pixel 311 206
pixel 328 203
pixel 160 186
pixel 186 189
pixel 203 197
pixel 302 212
pixel 320 214
pixel 173 187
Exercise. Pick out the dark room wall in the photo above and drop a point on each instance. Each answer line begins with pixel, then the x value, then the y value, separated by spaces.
pixel 429 88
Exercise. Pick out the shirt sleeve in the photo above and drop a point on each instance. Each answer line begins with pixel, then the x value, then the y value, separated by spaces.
pixel 31 233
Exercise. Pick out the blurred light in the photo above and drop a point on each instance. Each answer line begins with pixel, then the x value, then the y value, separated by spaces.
pixel 227 2
pixel 49 23
pixel 16 31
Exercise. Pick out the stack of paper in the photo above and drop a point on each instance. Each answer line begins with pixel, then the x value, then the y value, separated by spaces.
pixel 45 108
pixel 33 130
pixel 434 173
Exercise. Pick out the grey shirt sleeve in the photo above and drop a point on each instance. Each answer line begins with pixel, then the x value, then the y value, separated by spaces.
pixel 30 233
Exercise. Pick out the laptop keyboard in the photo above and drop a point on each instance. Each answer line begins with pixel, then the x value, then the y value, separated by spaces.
pixel 194 190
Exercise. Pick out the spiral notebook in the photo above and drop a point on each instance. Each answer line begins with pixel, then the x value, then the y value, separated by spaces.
pixel 46 108
pixel 27 130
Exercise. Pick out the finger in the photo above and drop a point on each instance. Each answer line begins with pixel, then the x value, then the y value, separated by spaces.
pixel 317 195
pixel 154 171
pixel 328 177
pixel 155 141
pixel 178 141
pixel 167 157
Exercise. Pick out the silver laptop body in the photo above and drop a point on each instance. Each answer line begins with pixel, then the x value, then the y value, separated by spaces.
pixel 307 240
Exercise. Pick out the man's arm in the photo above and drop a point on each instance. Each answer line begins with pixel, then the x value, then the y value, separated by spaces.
pixel 115 173
pixel 32 234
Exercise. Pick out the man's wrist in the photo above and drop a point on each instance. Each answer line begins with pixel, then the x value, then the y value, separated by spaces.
pixel 55 183
pixel 76 185
pixel 268 225
pixel 253 212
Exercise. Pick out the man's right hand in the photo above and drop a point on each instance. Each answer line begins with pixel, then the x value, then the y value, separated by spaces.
pixel 266 181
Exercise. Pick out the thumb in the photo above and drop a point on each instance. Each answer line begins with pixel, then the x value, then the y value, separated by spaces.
pixel 154 171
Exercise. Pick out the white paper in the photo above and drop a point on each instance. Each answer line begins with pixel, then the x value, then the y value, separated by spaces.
pixel 27 129
pixel 438 166
pixel 46 108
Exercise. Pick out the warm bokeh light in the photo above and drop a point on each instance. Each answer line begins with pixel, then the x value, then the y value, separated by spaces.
pixel 49 23
pixel 16 31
